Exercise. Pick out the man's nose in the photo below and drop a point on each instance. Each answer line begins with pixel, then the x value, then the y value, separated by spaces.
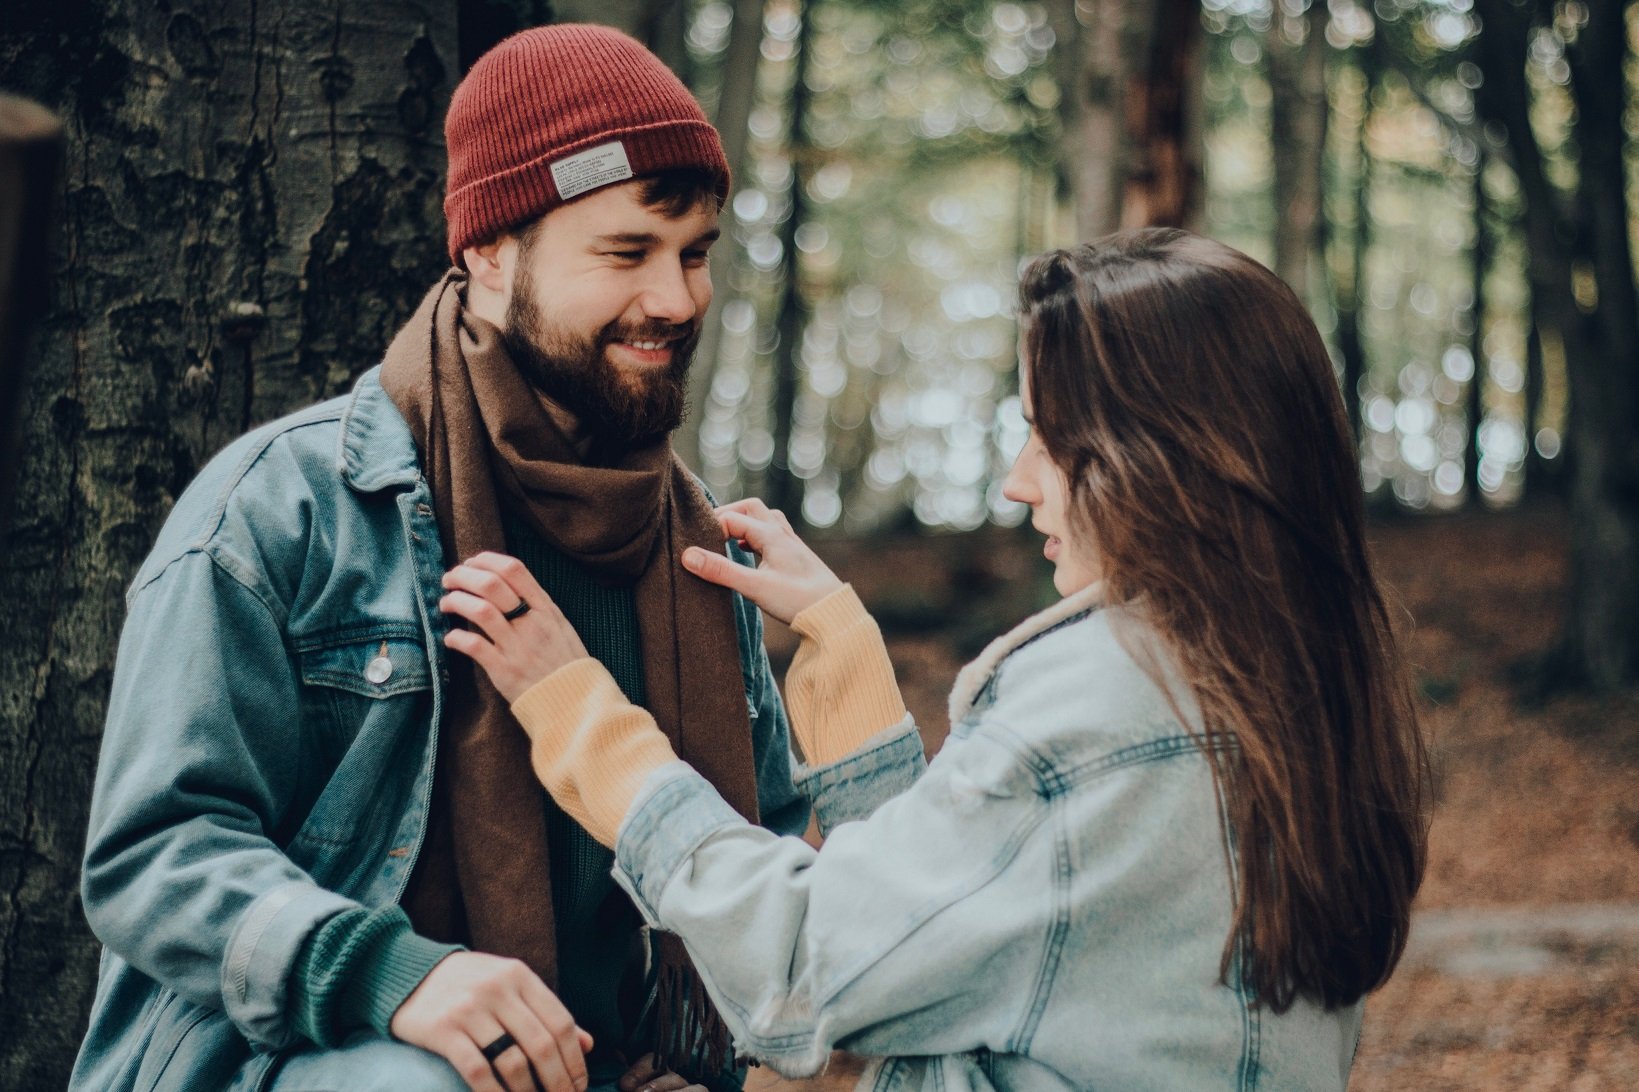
pixel 667 296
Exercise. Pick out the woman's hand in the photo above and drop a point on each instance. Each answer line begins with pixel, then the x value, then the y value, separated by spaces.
pixel 523 637
pixel 790 578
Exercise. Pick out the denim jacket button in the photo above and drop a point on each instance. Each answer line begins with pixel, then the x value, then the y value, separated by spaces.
pixel 379 670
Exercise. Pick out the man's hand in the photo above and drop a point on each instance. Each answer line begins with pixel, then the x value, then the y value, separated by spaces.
pixel 789 578
pixel 644 1077
pixel 470 1000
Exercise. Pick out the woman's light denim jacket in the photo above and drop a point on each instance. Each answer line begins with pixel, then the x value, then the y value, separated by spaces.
pixel 1045 907
pixel 258 774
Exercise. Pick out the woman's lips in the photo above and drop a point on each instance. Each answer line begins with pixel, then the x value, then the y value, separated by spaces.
pixel 1051 549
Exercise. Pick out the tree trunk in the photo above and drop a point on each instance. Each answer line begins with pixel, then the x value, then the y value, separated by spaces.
pixel 782 490
pixel 1598 329
pixel 1480 256
pixel 737 90
pixel 1130 154
pixel 31 144
pixel 1349 294
pixel 1165 185
pixel 1539 473
pixel 659 24
pixel 1296 48
pixel 251 207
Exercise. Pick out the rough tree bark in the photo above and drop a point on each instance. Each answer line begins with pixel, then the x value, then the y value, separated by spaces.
pixel 250 207
pixel 1582 285
pixel 1131 152
pixel 31 141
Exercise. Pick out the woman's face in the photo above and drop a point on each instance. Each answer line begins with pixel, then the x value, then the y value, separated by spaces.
pixel 1037 481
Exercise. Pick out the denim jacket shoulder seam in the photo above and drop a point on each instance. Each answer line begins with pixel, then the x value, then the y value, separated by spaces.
pixel 1052 779
pixel 268 603
pixel 208 536
pixel 323 413
pixel 1159 749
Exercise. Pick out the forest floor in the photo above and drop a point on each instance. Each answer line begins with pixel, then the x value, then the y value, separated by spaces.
pixel 1523 967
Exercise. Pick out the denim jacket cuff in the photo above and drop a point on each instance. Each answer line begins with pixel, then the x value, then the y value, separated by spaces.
pixel 262 952
pixel 674 811
pixel 852 788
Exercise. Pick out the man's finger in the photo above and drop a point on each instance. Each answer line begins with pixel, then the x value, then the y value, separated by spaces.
pixel 468 1059
pixel 560 1026
pixel 537 1051
pixel 516 1069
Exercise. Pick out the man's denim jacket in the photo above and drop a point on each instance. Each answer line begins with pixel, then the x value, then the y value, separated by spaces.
pixel 1043 909
pixel 262 766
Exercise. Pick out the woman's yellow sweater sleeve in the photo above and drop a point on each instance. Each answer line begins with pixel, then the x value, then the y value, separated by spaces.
pixel 590 747
pixel 841 690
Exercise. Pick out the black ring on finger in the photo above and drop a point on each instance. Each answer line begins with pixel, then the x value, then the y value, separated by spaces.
pixel 517 612
pixel 503 1043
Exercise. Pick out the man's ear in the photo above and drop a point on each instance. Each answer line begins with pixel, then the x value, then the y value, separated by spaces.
pixel 484 266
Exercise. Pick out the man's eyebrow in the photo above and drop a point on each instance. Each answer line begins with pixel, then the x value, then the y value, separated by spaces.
pixel 629 238
pixel 649 238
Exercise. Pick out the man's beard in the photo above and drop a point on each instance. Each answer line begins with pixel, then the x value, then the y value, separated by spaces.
pixel 620 408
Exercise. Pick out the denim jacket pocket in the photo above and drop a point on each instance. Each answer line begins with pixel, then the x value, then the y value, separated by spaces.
pixel 364 690
pixel 377 661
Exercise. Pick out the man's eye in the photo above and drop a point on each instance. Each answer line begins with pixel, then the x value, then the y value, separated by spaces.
pixel 627 255
pixel 696 257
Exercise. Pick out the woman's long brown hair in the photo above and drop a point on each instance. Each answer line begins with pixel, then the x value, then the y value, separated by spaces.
pixel 1188 397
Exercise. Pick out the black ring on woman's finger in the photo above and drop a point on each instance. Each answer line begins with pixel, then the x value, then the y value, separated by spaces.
pixel 503 1043
pixel 518 611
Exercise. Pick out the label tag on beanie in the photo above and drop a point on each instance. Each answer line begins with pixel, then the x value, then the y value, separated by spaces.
pixel 590 169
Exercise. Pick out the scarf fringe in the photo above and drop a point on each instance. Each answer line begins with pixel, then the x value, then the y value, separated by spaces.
pixel 693 1041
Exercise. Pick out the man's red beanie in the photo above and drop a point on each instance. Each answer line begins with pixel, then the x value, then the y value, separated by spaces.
pixel 558 111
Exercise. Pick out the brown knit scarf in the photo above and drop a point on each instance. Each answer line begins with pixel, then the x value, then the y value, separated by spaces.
pixel 488 439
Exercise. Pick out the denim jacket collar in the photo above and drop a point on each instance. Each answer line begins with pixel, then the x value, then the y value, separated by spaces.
pixel 375 450
pixel 970 682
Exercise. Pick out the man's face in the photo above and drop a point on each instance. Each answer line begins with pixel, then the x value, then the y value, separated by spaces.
pixel 607 300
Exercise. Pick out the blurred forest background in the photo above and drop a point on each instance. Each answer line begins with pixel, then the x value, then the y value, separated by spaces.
pixel 247 204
